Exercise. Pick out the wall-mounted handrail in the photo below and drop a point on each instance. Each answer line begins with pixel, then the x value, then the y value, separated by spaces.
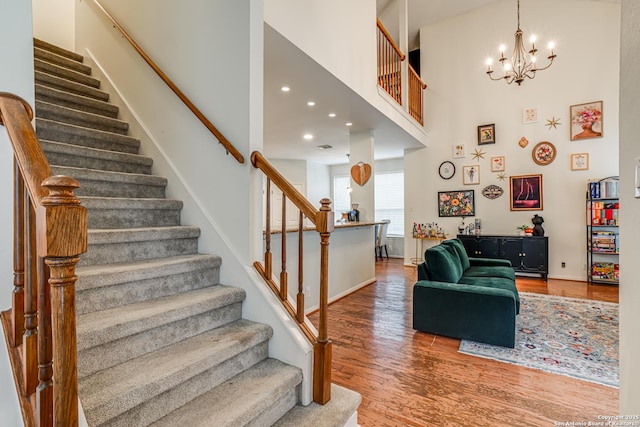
pixel 219 136
pixel 50 233
pixel 323 219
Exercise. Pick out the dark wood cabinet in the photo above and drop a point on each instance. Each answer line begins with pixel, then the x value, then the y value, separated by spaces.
pixel 528 254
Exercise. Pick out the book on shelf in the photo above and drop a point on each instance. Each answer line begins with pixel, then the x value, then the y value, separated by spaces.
pixel 605 271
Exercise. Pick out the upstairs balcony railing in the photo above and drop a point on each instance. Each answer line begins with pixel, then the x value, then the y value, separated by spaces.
pixel 390 67
pixel 323 220
pixel 50 233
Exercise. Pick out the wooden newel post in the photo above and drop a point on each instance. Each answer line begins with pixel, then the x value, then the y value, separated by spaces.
pixel 62 237
pixel 322 346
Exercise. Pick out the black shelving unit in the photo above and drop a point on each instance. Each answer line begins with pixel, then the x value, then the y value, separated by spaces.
pixel 603 238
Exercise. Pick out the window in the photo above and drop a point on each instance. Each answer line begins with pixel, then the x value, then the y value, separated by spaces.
pixel 389 200
pixel 341 196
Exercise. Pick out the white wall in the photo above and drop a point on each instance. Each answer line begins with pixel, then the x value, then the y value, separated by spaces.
pixel 16 76
pixel 318 183
pixel 461 97
pixel 54 22
pixel 630 210
pixel 341 36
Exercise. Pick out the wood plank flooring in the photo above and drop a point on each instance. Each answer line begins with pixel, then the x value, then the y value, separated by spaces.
pixel 411 378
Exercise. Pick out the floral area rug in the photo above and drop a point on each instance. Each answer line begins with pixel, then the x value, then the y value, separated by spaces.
pixel 567 336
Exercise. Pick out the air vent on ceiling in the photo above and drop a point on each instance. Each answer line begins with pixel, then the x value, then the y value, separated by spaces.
pixel 325 147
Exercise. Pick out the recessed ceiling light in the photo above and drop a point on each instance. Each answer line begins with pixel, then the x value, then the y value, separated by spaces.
pixel 324 147
pixel 348 124
pixel 332 114
pixel 311 103
pixel 308 136
pixel 285 88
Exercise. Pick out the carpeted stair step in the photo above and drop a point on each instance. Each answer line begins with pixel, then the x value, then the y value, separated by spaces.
pixel 70 134
pixel 136 244
pixel 49 80
pixel 97 183
pixel 115 212
pixel 105 286
pixel 146 388
pixel 61 154
pixel 110 337
pixel 41 44
pixel 77 102
pixel 46 110
pixel 65 73
pixel 61 61
pixel 258 396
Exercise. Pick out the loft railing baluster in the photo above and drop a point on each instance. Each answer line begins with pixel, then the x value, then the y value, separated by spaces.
pixel 17 304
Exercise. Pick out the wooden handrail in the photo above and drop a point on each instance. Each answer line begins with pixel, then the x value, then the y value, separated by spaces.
pixel 258 161
pixel 221 138
pixel 390 39
pixel 417 77
pixel 323 219
pixel 50 232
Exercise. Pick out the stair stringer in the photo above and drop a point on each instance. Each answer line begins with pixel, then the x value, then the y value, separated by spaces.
pixel 288 343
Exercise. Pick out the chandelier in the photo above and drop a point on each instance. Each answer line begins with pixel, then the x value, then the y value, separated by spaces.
pixel 522 64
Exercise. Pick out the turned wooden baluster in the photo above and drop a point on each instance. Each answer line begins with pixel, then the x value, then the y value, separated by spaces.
pixel 267 251
pixel 44 391
pixel 17 304
pixel 284 276
pixel 300 296
pixel 30 339
pixel 322 346
pixel 62 215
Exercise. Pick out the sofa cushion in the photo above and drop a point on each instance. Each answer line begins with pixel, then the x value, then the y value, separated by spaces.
pixel 494 282
pixel 457 246
pixel 442 265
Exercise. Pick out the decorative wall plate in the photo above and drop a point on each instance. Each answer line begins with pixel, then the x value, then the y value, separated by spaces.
pixel 543 153
pixel 492 191
pixel 447 170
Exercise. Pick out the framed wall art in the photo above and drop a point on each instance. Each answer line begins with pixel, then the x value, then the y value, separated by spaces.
pixel 487 134
pixel 525 192
pixel 586 120
pixel 471 174
pixel 580 162
pixel 458 151
pixel 543 153
pixel 530 115
pixel 497 164
pixel 456 203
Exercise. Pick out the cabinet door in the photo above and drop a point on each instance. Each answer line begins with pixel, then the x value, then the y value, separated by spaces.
pixel 470 245
pixel 535 254
pixel 488 247
pixel 511 249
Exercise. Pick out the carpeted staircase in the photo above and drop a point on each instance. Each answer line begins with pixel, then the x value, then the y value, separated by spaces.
pixel 160 341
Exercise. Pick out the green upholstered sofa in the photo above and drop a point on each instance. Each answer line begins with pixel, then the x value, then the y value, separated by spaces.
pixel 466 298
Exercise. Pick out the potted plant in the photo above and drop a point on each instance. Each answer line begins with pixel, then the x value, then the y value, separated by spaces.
pixel 522 229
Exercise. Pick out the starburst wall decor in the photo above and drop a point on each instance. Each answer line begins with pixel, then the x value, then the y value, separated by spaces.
pixel 553 123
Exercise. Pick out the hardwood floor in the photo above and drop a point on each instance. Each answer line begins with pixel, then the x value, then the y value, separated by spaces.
pixel 411 378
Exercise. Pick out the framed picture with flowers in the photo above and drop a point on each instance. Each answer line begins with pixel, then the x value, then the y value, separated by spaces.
pixel 456 203
pixel 586 120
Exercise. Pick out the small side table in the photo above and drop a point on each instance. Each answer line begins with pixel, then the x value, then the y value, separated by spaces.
pixel 419 258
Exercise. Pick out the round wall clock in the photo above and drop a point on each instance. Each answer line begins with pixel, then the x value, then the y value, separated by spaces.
pixel 543 153
pixel 447 170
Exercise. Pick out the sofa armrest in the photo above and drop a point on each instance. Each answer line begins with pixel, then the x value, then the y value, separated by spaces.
pixel 489 262
pixel 422 271
pixel 462 311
